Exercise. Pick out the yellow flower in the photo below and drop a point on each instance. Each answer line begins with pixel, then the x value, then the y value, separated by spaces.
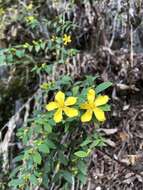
pixel 44 86
pixel 29 7
pixel 92 106
pixel 66 39
pixel 30 18
pixel 62 105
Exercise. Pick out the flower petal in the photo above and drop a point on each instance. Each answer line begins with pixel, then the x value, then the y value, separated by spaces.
pixel 70 101
pixel 60 97
pixel 99 114
pixel 91 95
pixel 87 116
pixel 66 39
pixel 70 112
pixel 51 106
pixel 69 39
pixel 101 100
pixel 58 116
pixel 85 106
pixel 65 36
pixel 65 43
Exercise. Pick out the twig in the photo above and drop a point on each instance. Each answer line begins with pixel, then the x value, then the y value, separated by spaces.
pixel 73 183
pixel 115 23
pixel 89 184
pixel 131 15
pixel 131 48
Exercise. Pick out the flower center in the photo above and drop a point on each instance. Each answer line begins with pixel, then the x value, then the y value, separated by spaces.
pixel 62 105
pixel 92 106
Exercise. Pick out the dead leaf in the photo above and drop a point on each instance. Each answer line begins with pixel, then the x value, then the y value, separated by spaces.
pixel 123 136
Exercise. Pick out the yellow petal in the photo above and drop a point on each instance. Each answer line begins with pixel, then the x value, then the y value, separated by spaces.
pixel 51 106
pixel 65 43
pixel 99 114
pixel 58 116
pixel 70 101
pixel 60 97
pixel 69 39
pixel 87 116
pixel 91 95
pixel 66 39
pixel 101 100
pixel 85 106
pixel 65 36
pixel 70 112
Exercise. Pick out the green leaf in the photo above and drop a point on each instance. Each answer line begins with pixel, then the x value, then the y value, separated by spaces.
pixel 103 86
pixel 43 148
pixel 43 44
pixel 65 79
pixel 48 68
pixel 30 48
pixel 65 187
pixel 86 142
pixel 83 93
pixel 68 176
pixel 97 143
pixel 33 180
pixel 18 158
pixel 75 90
pixel 37 158
pixel 16 182
pixel 50 144
pixel 14 171
pixel 90 80
pixel 20 53
pixel 9 58
pixel 63 159
pixel 47 128
pixel 51 122
pixel 106 107
pixel 38 129
pixel 57 177
pixel 81 154
pixel 82 178
pixel 2 58
pixel 37 48
pixel 82 167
